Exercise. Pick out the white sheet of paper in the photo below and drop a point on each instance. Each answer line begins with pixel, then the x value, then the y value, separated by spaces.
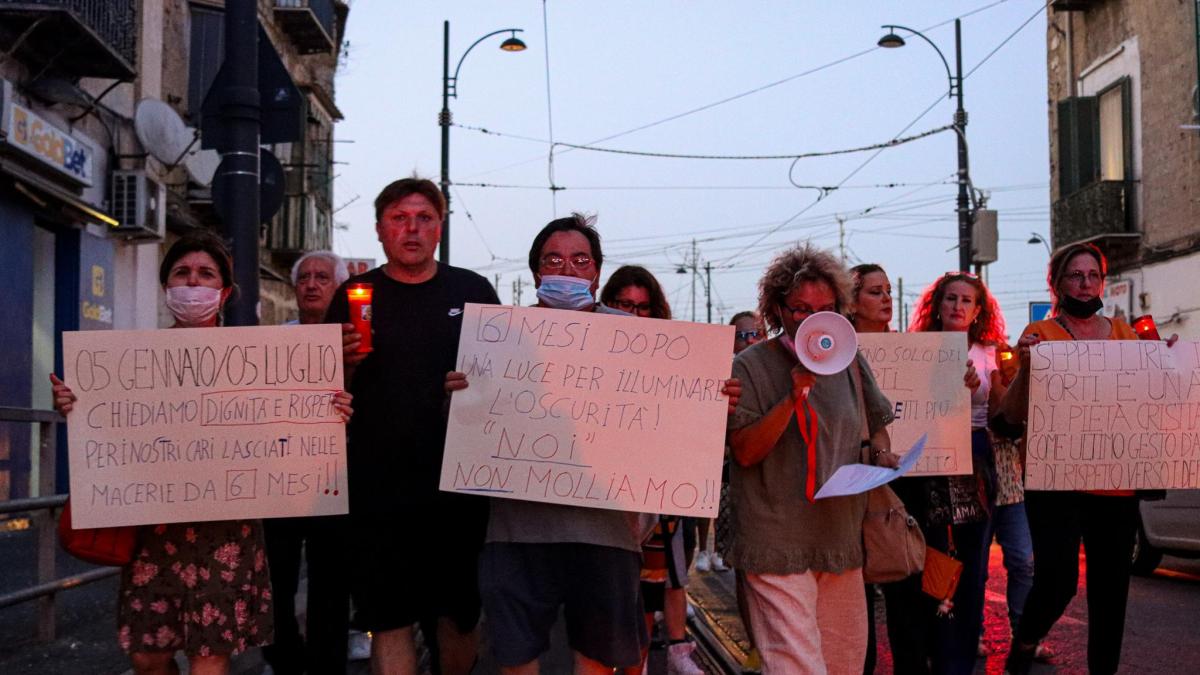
pixel 195 424
pixel 922 375
pixel 587 409
pixel 853 479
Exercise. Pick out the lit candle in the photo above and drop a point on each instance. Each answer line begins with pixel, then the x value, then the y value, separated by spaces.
pixel 1145 328
pixel 360 313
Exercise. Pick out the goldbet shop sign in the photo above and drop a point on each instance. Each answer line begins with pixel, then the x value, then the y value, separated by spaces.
pixel 37 137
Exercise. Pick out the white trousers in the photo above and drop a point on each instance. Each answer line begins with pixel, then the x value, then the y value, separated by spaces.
pixel 813 623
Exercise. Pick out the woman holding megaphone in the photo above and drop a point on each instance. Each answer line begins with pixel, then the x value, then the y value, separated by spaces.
pixel 791 430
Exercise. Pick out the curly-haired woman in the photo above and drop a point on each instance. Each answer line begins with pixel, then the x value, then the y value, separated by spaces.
pixel 802 558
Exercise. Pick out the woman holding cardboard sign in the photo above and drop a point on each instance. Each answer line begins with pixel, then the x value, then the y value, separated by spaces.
pixel 1059 520
pixel 198 587
pixel 956 509
pixel 802 557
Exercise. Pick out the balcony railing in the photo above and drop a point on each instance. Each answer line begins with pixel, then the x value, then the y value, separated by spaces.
pixel 301 225
pixel 1101 210
pixel 92 38
pixel 310 24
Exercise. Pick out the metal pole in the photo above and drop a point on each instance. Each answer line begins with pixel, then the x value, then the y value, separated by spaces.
pixel 239 161
pixel 708 288
pixel 903 321
pixel 694 273
pixel 444 122
pixel 960 126
pixel 47 539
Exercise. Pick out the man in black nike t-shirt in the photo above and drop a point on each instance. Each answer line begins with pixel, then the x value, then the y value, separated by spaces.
pixel 414 550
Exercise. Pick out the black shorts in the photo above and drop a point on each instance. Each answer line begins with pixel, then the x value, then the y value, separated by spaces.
pixel 418 567
pixel 523 586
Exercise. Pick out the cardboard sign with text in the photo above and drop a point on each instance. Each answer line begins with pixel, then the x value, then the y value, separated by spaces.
pixel 1114 415
pixel 195 424
pixel 922 375
pixel 587 409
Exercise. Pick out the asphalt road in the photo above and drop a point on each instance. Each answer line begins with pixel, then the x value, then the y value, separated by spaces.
pixel 1162 628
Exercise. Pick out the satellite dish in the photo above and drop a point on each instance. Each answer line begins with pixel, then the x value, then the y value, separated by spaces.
pixel 202 165
pixel 161 131
pixel 826 343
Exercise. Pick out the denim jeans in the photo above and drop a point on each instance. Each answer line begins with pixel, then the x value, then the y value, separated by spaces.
pixel 1010 527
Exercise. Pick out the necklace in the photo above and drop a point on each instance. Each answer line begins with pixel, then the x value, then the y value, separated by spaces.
pixel 1090 327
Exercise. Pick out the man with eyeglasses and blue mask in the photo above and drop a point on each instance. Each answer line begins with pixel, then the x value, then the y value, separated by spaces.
pixel 413 549
pixel 539 557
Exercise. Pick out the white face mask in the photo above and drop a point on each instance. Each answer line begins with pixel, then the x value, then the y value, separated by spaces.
pixel 193 305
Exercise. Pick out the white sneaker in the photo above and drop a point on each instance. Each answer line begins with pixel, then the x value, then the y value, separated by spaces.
pixel 718 563
pixel 679 660
pixel 359 648
pixel 702 562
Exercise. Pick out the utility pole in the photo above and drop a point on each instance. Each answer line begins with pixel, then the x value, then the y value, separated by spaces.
pixel 497 284
pixel 239 169
pixel 842 237
pixel 708 288
pixel 903 307
pixel 960 128
pixel 695 272
pixel 517 284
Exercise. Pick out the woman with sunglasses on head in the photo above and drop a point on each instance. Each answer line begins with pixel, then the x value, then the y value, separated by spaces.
pixel 634 289
pixel 957 508
pixel 203 587
pixel 1105 521
pixel 791 431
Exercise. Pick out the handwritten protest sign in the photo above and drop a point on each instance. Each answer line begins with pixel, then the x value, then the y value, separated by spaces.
pixel 922 374
pixel 1113 415
pixel 195 424
pixel 589 409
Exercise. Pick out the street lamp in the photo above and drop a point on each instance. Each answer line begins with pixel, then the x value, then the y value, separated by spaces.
pixel 891 40
pixel 449 89
pixel 1035 238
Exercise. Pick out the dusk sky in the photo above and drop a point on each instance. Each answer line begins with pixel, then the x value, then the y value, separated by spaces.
pixel 703 78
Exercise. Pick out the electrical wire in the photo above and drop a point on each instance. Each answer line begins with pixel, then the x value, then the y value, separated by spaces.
pixel 755 90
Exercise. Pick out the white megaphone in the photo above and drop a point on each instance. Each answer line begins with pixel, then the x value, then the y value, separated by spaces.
pixel 826 343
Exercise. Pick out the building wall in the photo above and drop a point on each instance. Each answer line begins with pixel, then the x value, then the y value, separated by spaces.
pixel 1167 157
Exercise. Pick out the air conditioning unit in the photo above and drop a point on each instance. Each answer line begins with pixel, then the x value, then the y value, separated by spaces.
pixel 139 204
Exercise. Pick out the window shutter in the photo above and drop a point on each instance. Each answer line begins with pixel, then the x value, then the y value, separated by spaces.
pixel 1078 143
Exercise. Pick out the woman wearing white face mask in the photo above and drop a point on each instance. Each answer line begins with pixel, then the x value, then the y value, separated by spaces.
pixel 198 587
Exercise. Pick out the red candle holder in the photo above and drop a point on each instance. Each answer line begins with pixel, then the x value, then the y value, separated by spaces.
pixel 359 296
pixel 1145 328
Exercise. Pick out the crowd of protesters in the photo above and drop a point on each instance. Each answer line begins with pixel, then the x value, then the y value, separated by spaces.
pixel 409 555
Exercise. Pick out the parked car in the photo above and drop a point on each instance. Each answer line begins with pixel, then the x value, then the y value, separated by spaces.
pixel 1169 526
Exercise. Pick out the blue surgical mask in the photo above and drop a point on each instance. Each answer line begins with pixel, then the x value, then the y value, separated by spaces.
pixel 558 292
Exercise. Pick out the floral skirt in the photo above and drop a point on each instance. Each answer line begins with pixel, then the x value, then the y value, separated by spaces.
pixel 200 587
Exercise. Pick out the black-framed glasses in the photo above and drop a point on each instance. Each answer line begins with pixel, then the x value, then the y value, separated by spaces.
pixel 631 307
pixel 554 262
pixel 804 310
pixel 747 335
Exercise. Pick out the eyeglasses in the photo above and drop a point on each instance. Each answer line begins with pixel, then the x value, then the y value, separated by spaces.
pixel 631 307
pixel 746 335
pixel 554 262
pixel 804 310
pixel 1077 277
